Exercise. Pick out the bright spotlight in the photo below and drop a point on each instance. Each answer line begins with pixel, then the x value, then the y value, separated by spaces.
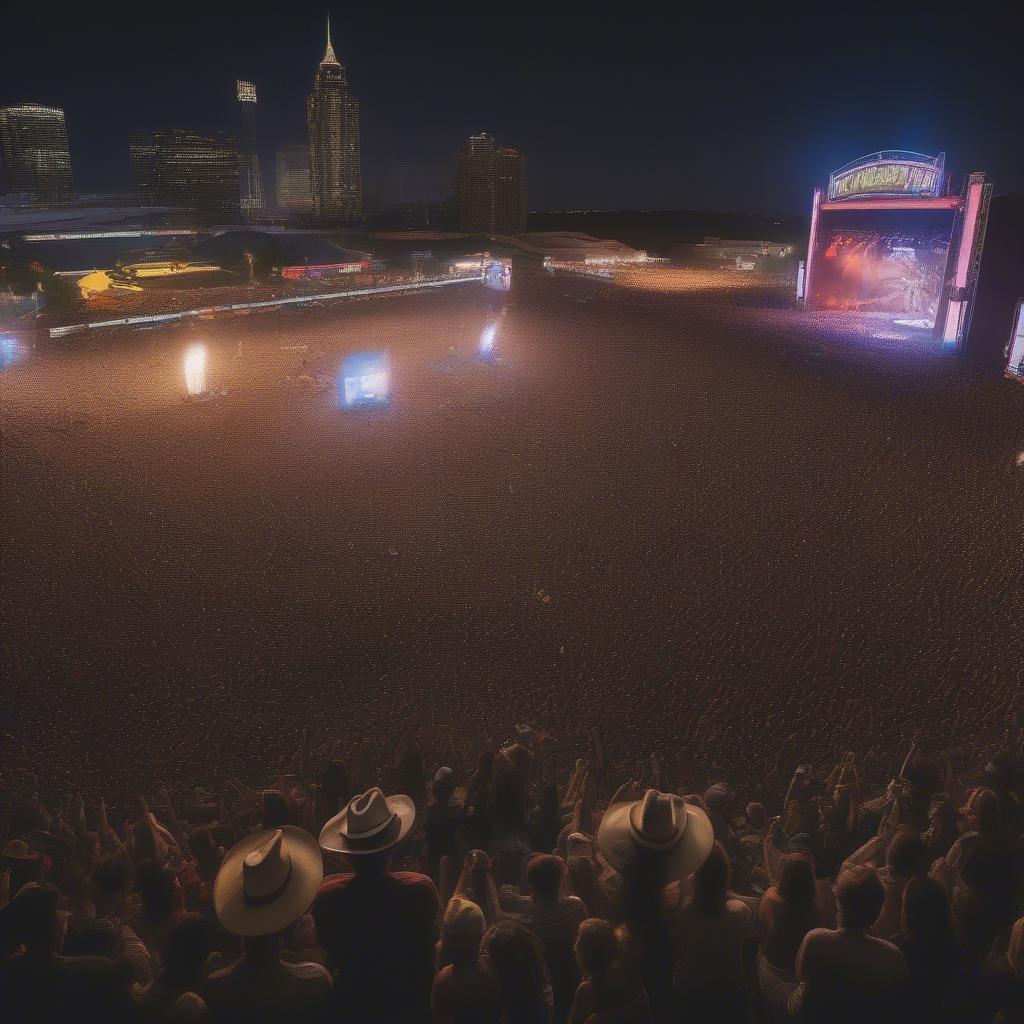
pixel 365 379
pixel 488 337
pixel 10 351
pixel 498 275
pixel 195 370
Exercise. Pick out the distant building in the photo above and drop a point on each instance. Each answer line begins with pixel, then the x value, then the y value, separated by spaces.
pixel 293 177
pixel 475 185
pixel 250 175
pixel 509 192
pixel 491 187
pixel 177 167
pixel 34 155
pixel 335 172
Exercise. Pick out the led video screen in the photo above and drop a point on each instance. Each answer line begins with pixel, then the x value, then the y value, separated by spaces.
pixel 1015 363
pixel 889 261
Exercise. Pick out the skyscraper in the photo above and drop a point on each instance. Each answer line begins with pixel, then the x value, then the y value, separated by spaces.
pixel 293 177
pixel 335 174
pixel 475 184
pixel 250 176
pixel 491 187
pixel 509 192
pixel 177 167
pixel 34 155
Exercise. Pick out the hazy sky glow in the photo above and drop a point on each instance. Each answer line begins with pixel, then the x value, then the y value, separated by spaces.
pixel 723 109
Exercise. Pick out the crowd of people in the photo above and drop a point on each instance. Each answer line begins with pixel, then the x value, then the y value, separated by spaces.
pixel 511 890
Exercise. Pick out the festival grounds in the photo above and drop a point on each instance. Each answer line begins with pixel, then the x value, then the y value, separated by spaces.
pixel 691 518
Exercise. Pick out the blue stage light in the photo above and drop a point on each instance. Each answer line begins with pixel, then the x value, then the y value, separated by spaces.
pixel 365 379
pixel 10 351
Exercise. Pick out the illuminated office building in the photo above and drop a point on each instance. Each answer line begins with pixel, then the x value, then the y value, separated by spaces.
pixel 34 155
pixel 178 167
pixel 335 175
pixel 491 187
pixel 250 175
pixel 293 177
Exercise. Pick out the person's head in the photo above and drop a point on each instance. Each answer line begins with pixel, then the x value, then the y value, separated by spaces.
pixel 21 862
pixel 485 762
pixel 907 854
pixel 276 809
pixel 711 882
pixel 718 799
pixel 519 756
pixel 597 948
pixel 925 908
pixel 461 931
pixel 757 816
pixel 981 812
pixel 517 958
pixel 796 883
pixel 860 896
pixel 368 828
pixel 203 846
pixel 650 842
pixel 160 891
pixel 188 946
pixel 443 786
pixel 1001 772
pixel 942 815
pixel 265 883
pixel 544 876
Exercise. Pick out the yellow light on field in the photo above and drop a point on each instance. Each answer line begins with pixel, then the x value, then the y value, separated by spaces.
pixel 195 370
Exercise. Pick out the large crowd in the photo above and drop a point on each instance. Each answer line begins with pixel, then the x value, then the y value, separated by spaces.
pixel 513 886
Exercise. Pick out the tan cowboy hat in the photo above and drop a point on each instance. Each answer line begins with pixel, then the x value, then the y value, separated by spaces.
pixel 661 823
pixel 18 849
pixel 371 823
pixel 267 881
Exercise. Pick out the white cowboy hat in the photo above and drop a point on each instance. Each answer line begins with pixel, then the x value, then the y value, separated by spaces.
pixel 371 823
pixel 267 881
pixel 660 823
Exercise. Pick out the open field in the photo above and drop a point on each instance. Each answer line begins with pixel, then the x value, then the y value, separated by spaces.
pixel 687 522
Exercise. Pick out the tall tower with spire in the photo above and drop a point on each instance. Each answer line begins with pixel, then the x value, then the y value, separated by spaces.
pixel 335 172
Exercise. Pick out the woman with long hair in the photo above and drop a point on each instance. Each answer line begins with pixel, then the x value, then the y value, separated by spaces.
pixel 709 932
pixel 608 986
pixel 928 945
pixel 515 955
pixel 787 913
pixel 465 990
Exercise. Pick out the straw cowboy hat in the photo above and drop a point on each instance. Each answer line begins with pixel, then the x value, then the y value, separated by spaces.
pixel 660 823
pixel 267 881
pixel 18 850
pixel 371 823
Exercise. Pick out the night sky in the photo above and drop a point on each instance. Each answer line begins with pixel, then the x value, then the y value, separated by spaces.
pixel 615 108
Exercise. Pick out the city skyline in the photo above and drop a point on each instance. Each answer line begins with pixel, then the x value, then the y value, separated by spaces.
pixel 684 117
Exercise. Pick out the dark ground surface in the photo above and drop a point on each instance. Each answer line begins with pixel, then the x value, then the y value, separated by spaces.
pixel 688 522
